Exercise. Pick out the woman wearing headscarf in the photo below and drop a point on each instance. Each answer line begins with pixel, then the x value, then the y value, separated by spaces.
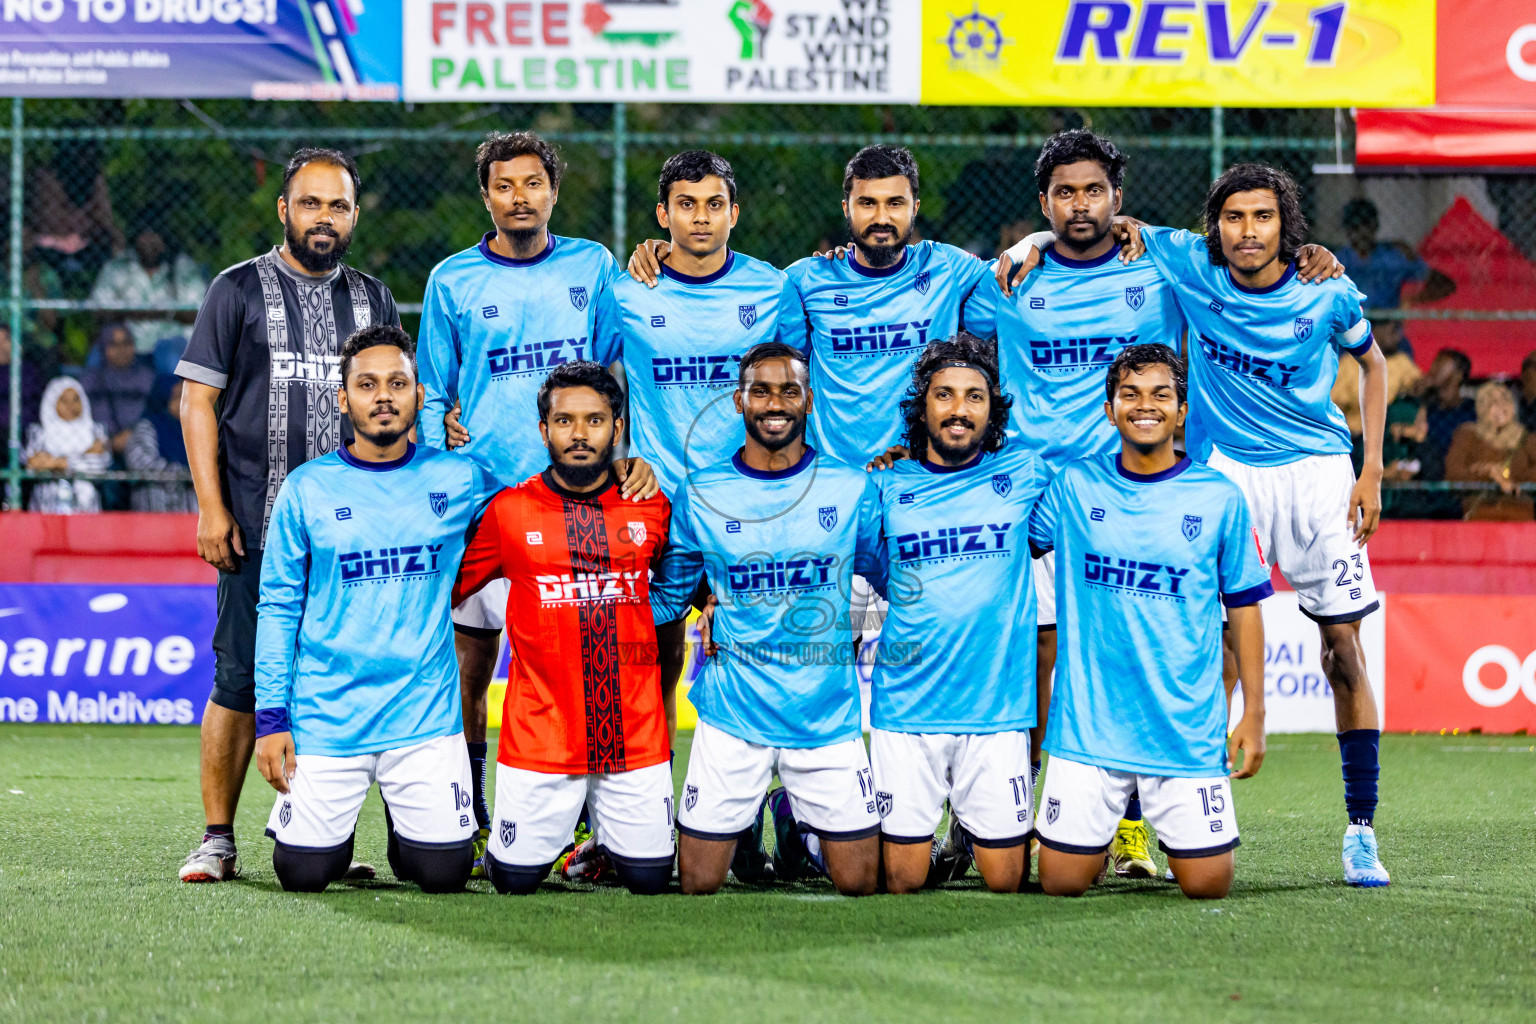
pixel 157 446
pixel 65 439
pixel 118 385
pixel 1497 447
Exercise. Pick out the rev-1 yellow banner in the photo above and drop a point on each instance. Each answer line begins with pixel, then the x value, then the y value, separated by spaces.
pixel 1363 53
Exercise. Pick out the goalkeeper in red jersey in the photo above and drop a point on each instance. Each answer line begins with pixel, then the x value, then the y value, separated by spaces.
pixel 583 720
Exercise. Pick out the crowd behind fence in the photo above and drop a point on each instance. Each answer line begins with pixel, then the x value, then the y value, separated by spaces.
pixel 119 213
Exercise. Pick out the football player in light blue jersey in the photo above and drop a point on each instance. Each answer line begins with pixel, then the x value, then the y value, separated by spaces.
pixel 869 315
pixel 1263 353
pixel 1150 545
pixel 495 319
pixel 681 343
pixel 356 680
pixel 953 697
pixel 778 530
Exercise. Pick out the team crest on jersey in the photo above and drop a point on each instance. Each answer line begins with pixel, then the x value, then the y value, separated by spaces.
pixel 690 796
pixel 439 500
pixel 883 804
pixel 1052 810
pixel 285 815
pixel 579 298
pixel 508 832
pixel 1303 328
pixel 827 517
pixel 747 314
pixel 1135 296
pixel 1002 483
pixel 920 282
pixel 636 533
pixel 1191 527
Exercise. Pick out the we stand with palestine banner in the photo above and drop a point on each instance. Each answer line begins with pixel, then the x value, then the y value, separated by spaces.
pixel 1354 53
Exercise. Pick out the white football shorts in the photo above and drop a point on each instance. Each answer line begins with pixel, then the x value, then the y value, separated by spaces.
pixel 831 789
pixel 425 786
pixel 1081 804
pixel 985 778
pixel 486 608
pixel 1301 514
pixel 1045 590
pixel 535 812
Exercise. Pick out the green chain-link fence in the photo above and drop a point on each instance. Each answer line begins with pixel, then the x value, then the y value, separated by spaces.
pixel 205 177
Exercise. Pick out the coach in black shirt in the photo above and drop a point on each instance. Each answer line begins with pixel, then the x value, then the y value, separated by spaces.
pixel 259 401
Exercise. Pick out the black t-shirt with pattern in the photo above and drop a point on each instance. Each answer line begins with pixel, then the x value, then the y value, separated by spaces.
pixel 270 338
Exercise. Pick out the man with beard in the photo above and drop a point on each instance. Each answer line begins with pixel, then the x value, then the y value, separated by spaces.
pixel 496 319
pixel 356 680
pixel 259 401
pixel 953 697
pixel 583 722
pixel 778 531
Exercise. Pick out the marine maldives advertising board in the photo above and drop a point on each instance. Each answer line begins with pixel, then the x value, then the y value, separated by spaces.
pixel 127 655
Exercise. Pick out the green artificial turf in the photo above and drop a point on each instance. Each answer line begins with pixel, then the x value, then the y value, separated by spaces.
pixel 95 821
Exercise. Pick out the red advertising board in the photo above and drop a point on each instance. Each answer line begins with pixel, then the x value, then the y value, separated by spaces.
pixel 1486 53
pixel 1463 663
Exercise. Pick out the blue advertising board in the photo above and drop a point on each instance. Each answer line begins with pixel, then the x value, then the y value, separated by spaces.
pixel 107 653
pixel 261 49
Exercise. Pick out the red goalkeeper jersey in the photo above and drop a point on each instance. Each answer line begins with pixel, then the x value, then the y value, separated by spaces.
pixel 583 687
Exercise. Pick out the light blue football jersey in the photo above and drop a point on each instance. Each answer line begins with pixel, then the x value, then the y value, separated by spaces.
pixel 957 649
pixel 1056 336
pixel 1143 565
pixel 491 330
pixel 866 329
pixel 779 550
pixel 1261 362
pixel 681 344
pixel 353 635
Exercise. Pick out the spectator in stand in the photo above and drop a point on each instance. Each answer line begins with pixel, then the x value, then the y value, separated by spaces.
pixel 1402 377
pixel 65 439
pixel 1496 446
pixel 73 229
pixel 40 281
pixel 157 446
pixel 1528 391
pixel 1381 269
pixel 31 386
pixel 118 383
pixel 150 276
pixel 1406 427
pixel 1446 407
